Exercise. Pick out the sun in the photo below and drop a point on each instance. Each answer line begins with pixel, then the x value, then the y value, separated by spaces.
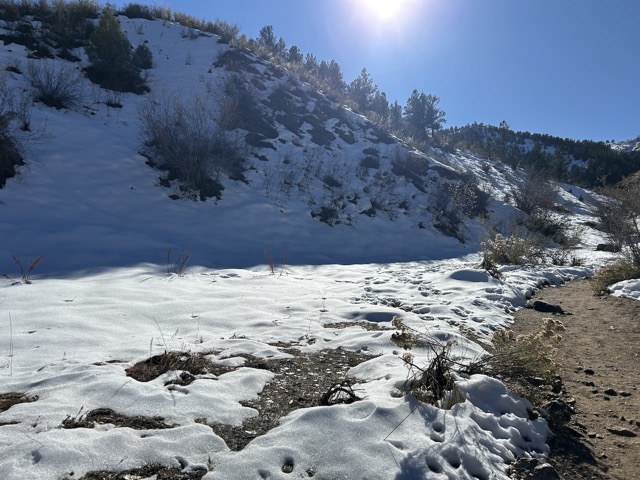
pixel 384 10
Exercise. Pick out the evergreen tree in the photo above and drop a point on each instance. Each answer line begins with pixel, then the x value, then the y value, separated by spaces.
pixel 362 91
pixel 394 119
pixel 142 57
pixel 422 114
pixel 109 52
pixel 280 48
pixel 310 62
pixel 266 38
pixel 380 104
pixel 334 78
pixel 295 55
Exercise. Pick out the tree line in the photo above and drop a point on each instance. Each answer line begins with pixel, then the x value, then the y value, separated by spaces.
pixel 582 162
pixel 419 118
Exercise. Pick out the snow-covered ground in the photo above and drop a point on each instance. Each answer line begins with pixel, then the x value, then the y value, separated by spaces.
pixel 101 300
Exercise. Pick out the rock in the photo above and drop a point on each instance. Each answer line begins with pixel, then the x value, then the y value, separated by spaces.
pixel 525 464
pixel 623 432
pixel 607 247
pixel 611 392
pixel 534 468
pixel 558 411
pixel 545 471
pixel 589 371
pixel 591 434
pixel 625 394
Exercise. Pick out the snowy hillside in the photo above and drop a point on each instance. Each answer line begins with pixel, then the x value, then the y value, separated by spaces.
pixel 347 217
pixel 377 194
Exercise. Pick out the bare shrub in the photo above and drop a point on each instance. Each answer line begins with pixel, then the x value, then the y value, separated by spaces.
pixel 536 192
pixel 619 218
pixel 433 383
pixel 238 106
pixel 447 216
pixel 186 140
pixel 55 86
pixel 469 196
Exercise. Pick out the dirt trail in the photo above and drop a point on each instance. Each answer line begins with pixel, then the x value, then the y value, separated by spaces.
pixel 600 358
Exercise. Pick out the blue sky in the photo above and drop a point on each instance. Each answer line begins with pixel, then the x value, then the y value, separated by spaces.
pixel 564 67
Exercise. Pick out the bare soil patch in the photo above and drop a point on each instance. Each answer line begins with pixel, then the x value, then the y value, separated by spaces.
pixel 8 400
pixel 157 472
pixel 305 380
pixel 599 356
pixel 188 363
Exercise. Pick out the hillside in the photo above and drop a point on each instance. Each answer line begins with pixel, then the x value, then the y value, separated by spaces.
pixel 299 160
pixel 275 306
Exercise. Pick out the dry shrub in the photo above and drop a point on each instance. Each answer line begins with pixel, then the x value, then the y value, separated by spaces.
pixel 55 86
pixel 433 383
pixel 512 250
pixel 620 270
pixel 524 362
pixel 189 142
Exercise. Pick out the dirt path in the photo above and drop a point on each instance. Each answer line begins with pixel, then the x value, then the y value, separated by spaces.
pixel 600 358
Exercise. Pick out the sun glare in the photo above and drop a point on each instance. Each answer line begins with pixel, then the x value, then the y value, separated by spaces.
pixel 384 10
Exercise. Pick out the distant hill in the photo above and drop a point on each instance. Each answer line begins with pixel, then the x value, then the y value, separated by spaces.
pixel 583 162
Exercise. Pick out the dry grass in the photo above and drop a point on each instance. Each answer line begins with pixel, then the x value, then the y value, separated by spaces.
pixel 622 269
pixel 523 362
pixel 102 416
pixel 178 265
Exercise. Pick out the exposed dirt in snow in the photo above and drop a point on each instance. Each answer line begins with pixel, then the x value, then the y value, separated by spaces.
pixel 600 367
pixel 305 380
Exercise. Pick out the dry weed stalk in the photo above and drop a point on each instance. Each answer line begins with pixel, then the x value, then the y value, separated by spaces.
pixel 524 362
pixel 272 264
pixel 178 265
pixel 25 274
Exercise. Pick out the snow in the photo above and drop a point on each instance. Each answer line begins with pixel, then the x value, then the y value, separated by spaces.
pixel 626 289
pixel 102 300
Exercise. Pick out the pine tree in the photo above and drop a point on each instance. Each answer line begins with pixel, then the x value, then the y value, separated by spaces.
pixel 362 91
pixel 142 57
pixel 109 52
pixel 310 62
pixel 422 114
pixel 394 119
pixel 380 104
pixel 266 38
pixel 295 55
